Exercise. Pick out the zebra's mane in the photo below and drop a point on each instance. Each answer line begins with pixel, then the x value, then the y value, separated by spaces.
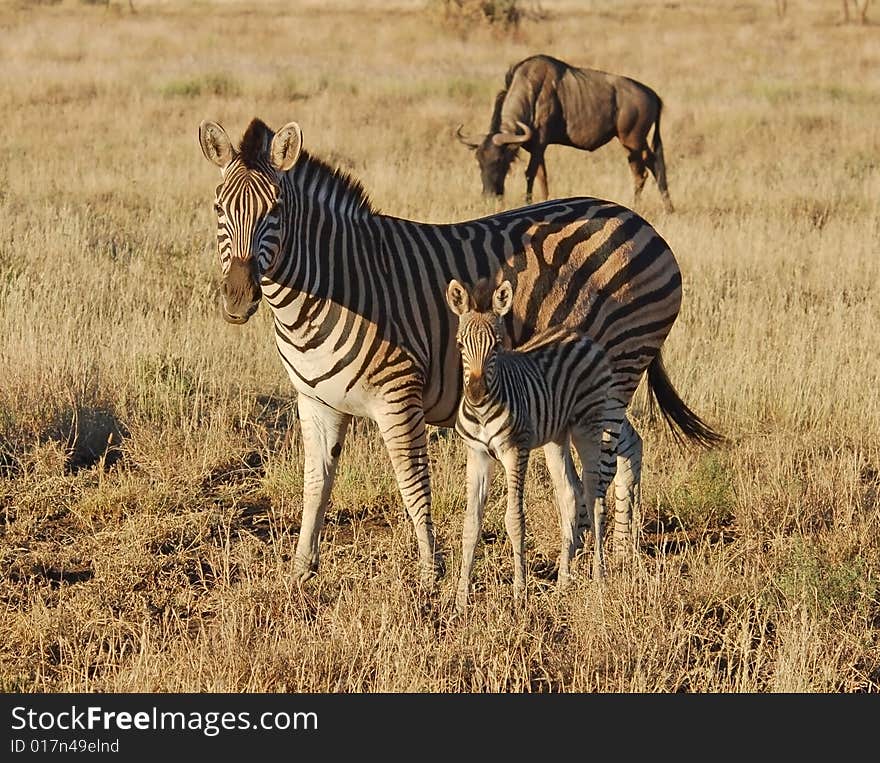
pixel 482 295
pixel 253 152
pixel 332 180
pixel 254 147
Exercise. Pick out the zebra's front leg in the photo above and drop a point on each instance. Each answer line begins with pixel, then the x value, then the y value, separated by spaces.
pixel 323 433
pixel 480 466
pixel 404 433
pixel 516 461
pixel 569 494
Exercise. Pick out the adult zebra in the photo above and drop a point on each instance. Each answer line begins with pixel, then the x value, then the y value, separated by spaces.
pixel 361 321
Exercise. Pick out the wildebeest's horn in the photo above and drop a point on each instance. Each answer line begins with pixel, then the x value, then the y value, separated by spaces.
pixel 470 142
pixel 502 138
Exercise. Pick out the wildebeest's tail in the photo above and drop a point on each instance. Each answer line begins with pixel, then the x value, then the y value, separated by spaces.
pixel 683 422
pixel 659 161
pixel 656 140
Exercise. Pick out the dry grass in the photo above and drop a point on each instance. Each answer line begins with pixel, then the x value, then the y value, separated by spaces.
pixel 149 454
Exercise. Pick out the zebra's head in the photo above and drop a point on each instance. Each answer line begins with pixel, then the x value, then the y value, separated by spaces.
pixel 250 206
pixel 481 330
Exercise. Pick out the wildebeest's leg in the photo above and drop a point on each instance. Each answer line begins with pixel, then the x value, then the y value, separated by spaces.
pixel 541 177
pixel 516 461
pixel 657 165
pixel 627 485
pixel 402 426
pixel 636 158
pixel 323 433
pixel 480 466
pixel 536 169
pixel 569 495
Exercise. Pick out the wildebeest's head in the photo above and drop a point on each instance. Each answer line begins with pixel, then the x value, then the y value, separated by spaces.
pixel 495 152
pixel 250 206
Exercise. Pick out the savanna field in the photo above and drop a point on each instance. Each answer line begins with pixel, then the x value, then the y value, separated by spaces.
pixel 150 454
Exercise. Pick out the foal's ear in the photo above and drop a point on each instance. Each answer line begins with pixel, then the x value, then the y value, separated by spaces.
pixel 215 143
pixel 286 145
pixel 502 299
pixel 458 297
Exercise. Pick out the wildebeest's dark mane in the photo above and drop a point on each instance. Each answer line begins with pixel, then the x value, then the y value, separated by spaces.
pixel 495 123
pixel 253 153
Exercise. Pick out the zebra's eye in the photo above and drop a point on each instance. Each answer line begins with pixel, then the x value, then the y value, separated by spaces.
pixel 217 208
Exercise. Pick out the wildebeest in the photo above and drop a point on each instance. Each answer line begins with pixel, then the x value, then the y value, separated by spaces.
pixel 547 101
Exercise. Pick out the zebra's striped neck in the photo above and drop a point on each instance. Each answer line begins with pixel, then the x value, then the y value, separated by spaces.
pixel 318 200
pixel 314 182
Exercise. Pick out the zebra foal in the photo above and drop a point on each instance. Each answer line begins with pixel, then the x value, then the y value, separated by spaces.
pixel 553 388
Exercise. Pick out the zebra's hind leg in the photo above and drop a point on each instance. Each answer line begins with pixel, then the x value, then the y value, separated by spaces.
pixel 480 466
pixel 323 433
pixel 567 486
pixel 590 443
pixel 403 430
pixel 627 487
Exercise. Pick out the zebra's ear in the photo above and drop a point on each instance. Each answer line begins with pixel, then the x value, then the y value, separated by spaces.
pixel 458 297
pixel 215 143
pixel 502 299
pixel 286 146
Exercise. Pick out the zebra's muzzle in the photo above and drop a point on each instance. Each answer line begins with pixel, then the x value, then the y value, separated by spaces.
pixel 239 319
pixel 475 389
pixel 240 292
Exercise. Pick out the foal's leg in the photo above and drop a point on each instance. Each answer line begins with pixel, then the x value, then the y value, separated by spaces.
pixel 479 477
pixel 516 462
pixel 569 494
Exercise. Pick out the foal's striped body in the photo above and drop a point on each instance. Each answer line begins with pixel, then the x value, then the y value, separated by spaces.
pixel 555 387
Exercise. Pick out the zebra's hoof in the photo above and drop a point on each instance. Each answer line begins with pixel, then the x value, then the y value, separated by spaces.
pixel 564 581
pixel 304 570
pixel 438 570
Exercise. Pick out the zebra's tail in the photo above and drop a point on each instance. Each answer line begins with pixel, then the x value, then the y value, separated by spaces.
pixel 682 421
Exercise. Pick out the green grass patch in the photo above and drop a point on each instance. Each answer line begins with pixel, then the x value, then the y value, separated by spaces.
pixel 822 585
pixel 705 496
pixel 218 84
